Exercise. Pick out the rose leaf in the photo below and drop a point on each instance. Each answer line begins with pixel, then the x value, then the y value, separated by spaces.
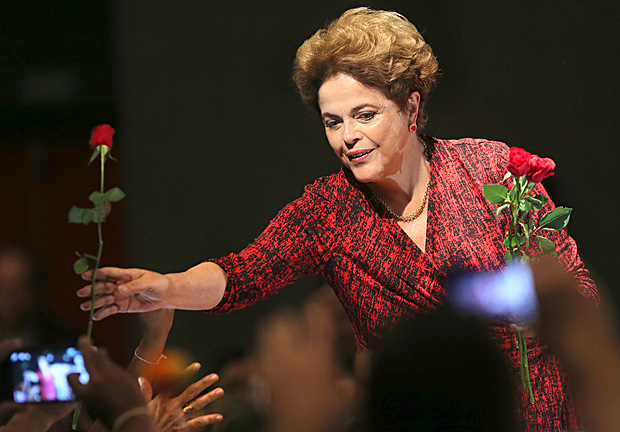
pixel 547 246
pixel 495 193
pixel 81 265
pixel 556 219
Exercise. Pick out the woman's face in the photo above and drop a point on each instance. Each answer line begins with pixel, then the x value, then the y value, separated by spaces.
pixel 368 132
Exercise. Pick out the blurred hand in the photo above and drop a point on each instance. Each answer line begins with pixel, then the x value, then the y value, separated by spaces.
pixel 584 338
pixel 181 413
pixel 110 391
pixel 528 331
pixel 307 388
pixel 125 290
pixel 38 417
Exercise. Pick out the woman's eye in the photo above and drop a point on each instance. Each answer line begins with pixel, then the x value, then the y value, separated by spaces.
pixel 366 116
pixel 331 124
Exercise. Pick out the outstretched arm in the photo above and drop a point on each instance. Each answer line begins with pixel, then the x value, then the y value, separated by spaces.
pixel 134 290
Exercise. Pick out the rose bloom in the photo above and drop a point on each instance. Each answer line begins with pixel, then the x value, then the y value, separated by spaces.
pixel 540 168
pixel 101 135
pixel 519 161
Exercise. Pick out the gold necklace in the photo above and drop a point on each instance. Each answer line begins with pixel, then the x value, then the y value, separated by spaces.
pixel 413 216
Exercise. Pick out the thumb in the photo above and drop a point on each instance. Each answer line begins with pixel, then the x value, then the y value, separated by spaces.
pixel 78 388
pixel 132 287
pixel 146 389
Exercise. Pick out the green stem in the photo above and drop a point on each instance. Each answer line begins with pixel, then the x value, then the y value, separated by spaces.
pixel 526 368
pixel 521 364
pixel 521 186
pixel 89 330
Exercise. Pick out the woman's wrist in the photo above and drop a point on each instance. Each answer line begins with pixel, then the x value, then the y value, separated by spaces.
pixel 201 287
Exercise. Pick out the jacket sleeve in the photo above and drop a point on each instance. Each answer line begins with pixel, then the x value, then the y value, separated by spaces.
pixel 567 249
pixel 286 250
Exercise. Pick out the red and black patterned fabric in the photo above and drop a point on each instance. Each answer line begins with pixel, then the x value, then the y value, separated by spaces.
pixel 337 230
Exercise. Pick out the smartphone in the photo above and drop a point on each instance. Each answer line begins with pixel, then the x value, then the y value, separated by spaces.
pixel 40 374
pixel 508 294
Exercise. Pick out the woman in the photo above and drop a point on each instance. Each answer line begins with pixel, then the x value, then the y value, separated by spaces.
pixel 405 210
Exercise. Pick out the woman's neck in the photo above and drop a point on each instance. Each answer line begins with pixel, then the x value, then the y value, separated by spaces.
pixel 405 189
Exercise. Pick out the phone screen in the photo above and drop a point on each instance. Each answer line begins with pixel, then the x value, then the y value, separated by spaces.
pixel 40 375
pixel 509 294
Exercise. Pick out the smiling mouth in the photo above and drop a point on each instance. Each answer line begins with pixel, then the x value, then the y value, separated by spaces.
pixel 358 156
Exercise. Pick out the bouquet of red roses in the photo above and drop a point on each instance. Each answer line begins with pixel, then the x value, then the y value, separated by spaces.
pixel 523 239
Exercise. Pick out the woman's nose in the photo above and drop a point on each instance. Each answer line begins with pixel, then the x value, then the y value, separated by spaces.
pixel 350 134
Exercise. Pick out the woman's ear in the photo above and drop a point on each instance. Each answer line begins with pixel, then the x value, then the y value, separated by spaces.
pixel 414 104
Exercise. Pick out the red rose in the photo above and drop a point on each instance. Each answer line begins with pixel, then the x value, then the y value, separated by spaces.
pixel 101 135
pixel 518 161
pixel 540 168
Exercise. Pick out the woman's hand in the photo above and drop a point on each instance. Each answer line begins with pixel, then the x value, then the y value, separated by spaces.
pixel 125 290
pixel 134 290
pixel 180 413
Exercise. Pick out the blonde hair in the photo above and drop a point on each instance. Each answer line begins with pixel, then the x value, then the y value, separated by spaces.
pixel 380 49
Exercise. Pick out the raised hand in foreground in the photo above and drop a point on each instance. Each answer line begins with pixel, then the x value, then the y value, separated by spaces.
pixel 308 389
pixel 111 395
pixel 181 413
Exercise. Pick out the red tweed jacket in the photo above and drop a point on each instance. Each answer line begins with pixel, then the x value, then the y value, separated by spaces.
pixel 337 230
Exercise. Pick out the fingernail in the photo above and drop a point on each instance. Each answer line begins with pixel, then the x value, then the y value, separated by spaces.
pixel 218 392
pixel 218 418
pixel 141 381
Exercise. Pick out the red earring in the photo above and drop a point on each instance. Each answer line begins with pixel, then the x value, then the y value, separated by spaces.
pixel 413 127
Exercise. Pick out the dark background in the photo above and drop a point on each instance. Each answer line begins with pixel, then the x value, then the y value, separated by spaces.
pixel 212 140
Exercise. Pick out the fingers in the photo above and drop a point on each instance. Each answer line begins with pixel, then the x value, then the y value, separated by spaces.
pixel 206 399
pixel 199 422
pixel 100 301
pixel 100 288
pixel 113 274
pixel 195 389
pixel 108 281
pixel 78 388
pixel 191 369
pixel 94 358
pixel 146 389
pixel 106 311
pixel 138 286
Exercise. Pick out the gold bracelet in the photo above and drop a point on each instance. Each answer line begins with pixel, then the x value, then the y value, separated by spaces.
pixel 161 356
pixel 122 419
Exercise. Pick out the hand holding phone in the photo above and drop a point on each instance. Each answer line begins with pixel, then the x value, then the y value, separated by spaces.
pixel 40 374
